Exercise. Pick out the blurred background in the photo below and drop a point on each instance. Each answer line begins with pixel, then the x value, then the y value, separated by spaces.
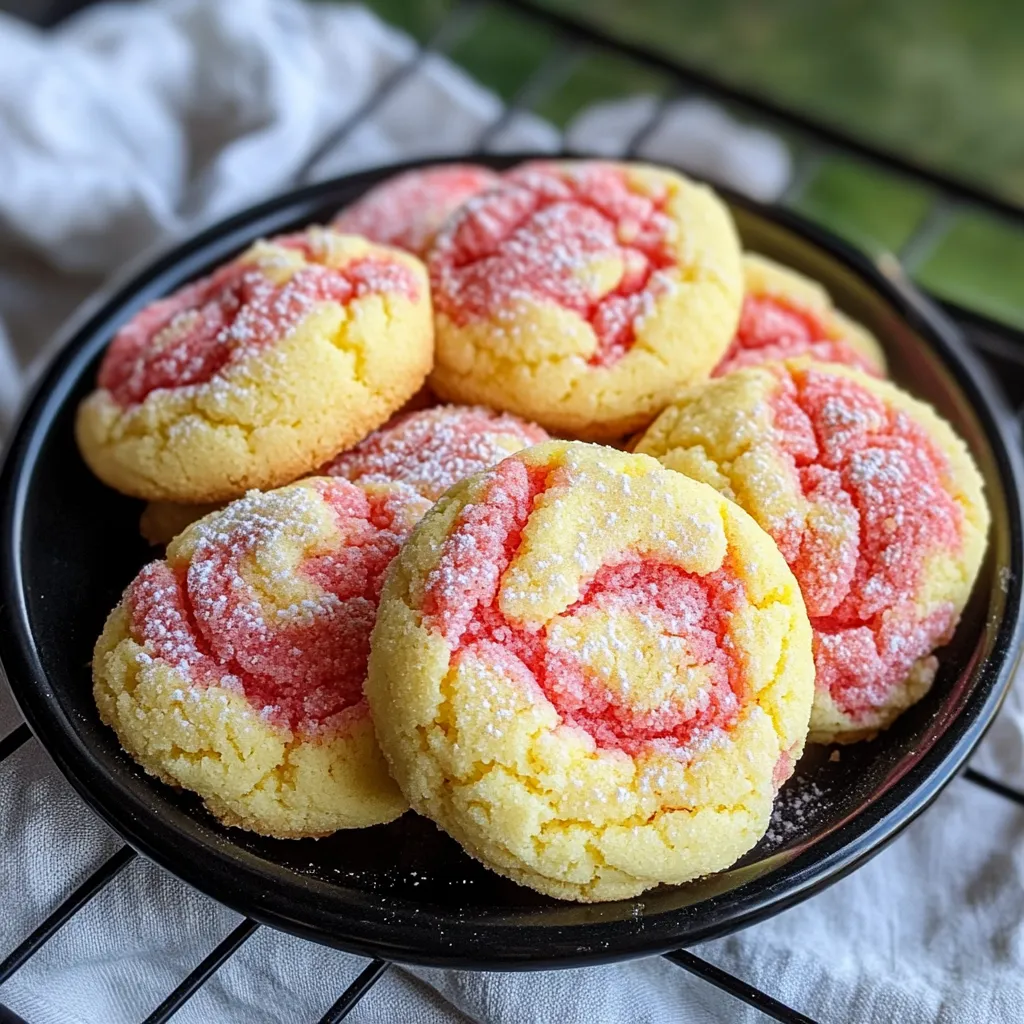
pixel 939 81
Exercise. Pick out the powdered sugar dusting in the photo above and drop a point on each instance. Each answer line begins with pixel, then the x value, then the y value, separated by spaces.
pixel 585 675
pixel 436 448
pixel 574 235
pixel 264 605
pixel 794 814
pixel 773 328
pixel 878 511
pixel 236 312
pixel 408 210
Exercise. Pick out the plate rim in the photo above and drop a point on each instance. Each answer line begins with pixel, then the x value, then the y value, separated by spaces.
pixel 157 840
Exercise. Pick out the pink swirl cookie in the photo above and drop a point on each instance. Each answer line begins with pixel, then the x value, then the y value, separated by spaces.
pixel 409 209
pixel 235 667
pixel 786 315
pixel 582 294
pixel 259 373
pixel 873 500
pixel 434 449
pixel 591 671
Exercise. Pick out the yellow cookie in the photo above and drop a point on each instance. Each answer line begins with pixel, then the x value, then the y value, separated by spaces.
pixel 161 521
pixel 875 504
pixel 581 295
pixel 259 373
pixel 593 673
pixel 786 314
pixel 235 667
pixel 432 449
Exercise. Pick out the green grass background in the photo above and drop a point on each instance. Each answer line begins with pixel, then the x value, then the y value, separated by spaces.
pixel 940 81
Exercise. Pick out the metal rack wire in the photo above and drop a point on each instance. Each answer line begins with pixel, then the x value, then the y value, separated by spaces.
pixel 1000 346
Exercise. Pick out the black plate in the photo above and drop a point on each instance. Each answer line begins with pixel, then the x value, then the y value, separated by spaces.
pixel 404 891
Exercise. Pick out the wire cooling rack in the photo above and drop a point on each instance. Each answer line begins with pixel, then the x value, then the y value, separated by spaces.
pixel 1000 346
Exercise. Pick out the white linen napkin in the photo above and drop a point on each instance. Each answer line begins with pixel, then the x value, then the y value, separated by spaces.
pixel 134 123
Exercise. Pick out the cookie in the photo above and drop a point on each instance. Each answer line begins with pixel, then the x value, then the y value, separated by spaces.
pixel 262 371
pixel 162 521
pixel 592 672
pixel 581 295
pixel 409 209
pixel 234 668
pixel 434 449
pixel 872 499
pixel 786 315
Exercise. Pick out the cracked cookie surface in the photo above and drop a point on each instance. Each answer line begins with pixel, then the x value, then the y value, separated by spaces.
pixel 430 450
pixel 260 372
pixel 580 294
pixel 410 208
pixel 592 672
pixel 235 666
pixel 426 449
pixel 873 500
pixel 786 315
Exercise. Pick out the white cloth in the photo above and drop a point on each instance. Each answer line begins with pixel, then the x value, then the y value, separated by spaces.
pixel 136 122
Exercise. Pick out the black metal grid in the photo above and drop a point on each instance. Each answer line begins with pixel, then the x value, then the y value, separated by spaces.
pixel 1001 347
